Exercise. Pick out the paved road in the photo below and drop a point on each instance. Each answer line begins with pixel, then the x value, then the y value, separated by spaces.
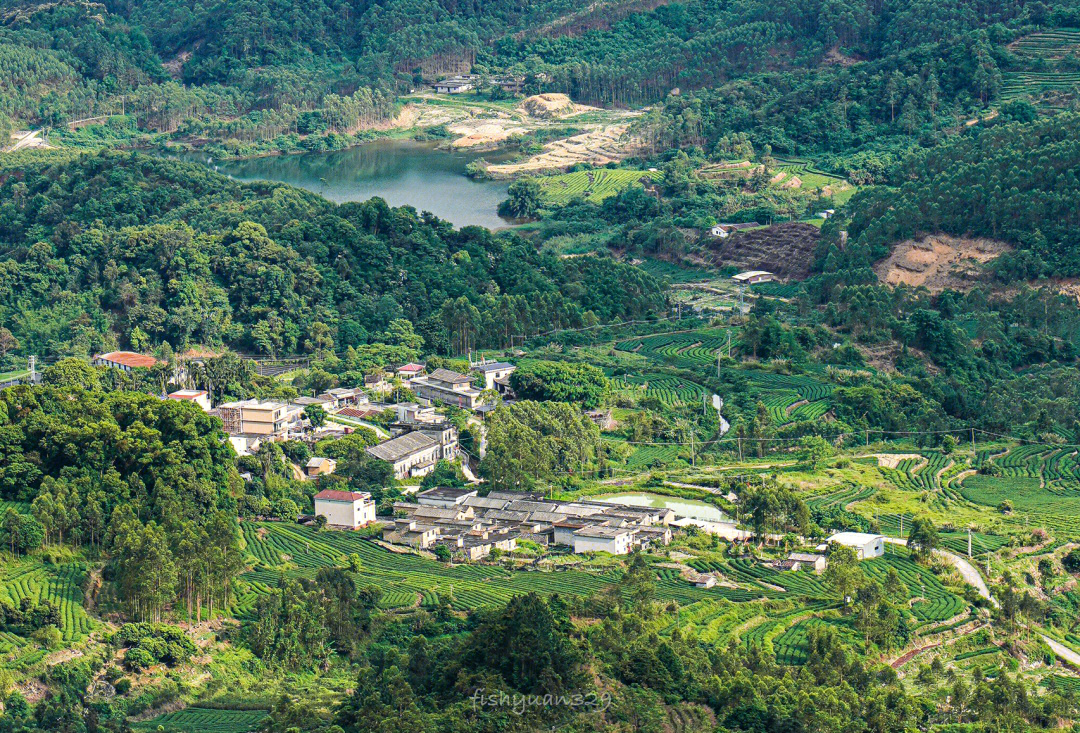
pixel 967 570
pixel 1062 651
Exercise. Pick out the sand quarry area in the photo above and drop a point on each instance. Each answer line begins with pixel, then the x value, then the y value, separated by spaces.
pixel 480 125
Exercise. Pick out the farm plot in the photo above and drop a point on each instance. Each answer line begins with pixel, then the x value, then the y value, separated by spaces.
pixel 937 602
pixel 204 720
pixel 594 185
pixel 62 585
pixel 688 350
pixel 1042 506
pixel 670 391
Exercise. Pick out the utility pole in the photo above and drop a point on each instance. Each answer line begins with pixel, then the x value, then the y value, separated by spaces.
pixel 739 440
pixel 973 440
pixel 728 346
pixel 718 352
pixel 33 369
pixel 901 526
pixel 969 543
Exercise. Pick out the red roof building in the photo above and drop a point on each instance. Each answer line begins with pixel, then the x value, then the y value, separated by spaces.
pixel 125 360
pixel 333 495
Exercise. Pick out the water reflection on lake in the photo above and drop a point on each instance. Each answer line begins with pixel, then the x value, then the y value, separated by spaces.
pixel 402 172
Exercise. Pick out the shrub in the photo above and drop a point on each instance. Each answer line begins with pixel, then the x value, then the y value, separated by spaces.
pixel 138 658
pixel 49 637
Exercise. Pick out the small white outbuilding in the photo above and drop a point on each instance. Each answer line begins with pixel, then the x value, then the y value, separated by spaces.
pixel 866 545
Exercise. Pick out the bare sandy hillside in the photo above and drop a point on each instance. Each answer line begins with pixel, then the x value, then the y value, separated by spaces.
pixel 547 105
pixel 939 262
pixel 601 145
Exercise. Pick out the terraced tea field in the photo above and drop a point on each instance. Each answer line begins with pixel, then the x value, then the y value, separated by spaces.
pixel 303 550
pixel 1050 45
pixel 937 604
pixel 917 474
pixel 1043 506
pixel 687 350
pixel 594 185
pixel 60 584
pixel 671 391
pixel 204 720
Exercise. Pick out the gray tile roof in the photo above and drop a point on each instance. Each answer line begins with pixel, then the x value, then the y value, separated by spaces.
pixel 401 447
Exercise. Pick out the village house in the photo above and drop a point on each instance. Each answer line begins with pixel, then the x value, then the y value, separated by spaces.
pixel 597 538
pixel 199 397
pixel 125 361
pixel 350 509
pixel 810 560
pixel 377 383
pixel 752 277
pixel 866 545
pixel 447 386
pixel 264 418
pixel 410 532
pixel 704 581
pixel 411 454
pixel 304 402
pixel 454 85
pixel 724 230
pixel 494 371
pixel 446 497
pixel 343 397
pixel 319 466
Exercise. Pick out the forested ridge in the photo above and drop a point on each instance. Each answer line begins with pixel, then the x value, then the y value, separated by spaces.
pixel 1014 182
pixel 125 249
pixel 259 69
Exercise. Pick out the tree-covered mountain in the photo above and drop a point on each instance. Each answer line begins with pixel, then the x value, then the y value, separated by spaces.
pixel 126 249
pixel 1014 182
pixel 260 63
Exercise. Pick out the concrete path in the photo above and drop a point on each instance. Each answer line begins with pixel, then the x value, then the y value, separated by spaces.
pixel 967 570
pixel 1062 651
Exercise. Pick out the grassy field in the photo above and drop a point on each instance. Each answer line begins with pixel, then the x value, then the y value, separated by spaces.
pixel 594 185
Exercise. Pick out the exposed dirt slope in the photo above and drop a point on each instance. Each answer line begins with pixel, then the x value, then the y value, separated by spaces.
pixel 939 262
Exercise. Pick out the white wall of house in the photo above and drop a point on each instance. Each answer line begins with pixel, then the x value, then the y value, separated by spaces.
pixel 617 545
pixel 355 513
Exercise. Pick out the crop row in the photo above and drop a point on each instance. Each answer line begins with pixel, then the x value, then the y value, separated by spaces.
pixel 61 585
pixel 204 720
pixel 938 602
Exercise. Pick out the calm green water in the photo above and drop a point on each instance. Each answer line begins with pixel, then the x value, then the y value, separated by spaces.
pixel 683 507
pixel 402 172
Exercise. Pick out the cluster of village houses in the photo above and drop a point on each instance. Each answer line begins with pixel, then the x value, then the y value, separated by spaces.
pixel 468 524
pixel 418 438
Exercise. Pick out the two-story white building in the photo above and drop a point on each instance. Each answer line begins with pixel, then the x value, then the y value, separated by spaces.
pixel 350 509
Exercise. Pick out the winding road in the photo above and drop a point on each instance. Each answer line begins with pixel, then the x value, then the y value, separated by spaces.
pixel 967 570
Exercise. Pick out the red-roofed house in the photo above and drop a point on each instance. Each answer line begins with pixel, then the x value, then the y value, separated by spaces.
pixel 350 509
pixel 199 396
pixel 125 360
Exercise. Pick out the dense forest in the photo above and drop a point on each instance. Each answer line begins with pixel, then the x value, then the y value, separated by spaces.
pixel 263 69
pixel 124 249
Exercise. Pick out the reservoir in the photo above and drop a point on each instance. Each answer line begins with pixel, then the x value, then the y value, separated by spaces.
pixel 683 507
pixel 401 172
